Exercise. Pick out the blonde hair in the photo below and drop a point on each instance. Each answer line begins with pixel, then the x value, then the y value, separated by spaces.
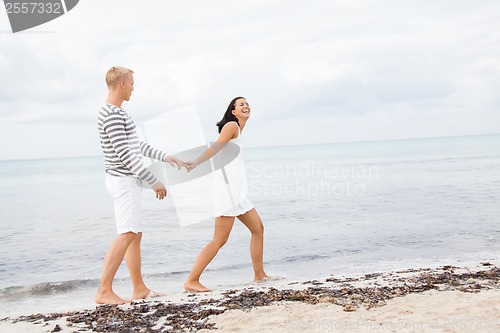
pixel 116 74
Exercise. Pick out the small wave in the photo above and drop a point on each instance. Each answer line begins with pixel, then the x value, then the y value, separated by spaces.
pixel 166 275
pixel 177 274
pixel 46 288
pixel 307 257
pixel 313 257
pixel 62 287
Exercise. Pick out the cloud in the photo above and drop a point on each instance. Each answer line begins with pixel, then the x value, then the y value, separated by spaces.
pixel 355 63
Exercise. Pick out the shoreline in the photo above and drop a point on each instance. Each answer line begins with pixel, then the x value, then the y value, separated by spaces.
pixel 350 298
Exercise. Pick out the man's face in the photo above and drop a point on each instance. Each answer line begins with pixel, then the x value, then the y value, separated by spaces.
pixel 128 86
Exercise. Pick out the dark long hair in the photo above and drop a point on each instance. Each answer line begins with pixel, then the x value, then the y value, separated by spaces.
pixel 229 116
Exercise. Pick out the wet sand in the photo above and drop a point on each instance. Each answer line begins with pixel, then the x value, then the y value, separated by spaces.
pixel 444 299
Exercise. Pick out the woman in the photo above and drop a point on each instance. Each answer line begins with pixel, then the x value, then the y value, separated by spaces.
pixel 230 201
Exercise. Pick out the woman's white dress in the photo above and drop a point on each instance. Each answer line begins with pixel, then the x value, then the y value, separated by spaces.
pixel 230 188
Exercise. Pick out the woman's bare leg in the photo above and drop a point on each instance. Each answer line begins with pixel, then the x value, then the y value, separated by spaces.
pixel 223 226
pixel 252 221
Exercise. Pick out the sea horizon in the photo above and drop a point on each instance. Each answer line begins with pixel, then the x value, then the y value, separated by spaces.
pixel 277 146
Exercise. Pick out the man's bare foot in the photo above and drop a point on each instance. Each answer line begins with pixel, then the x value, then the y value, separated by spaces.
pixel 267 278
pixel 196 286
pixel 109 298
pixel 146 294
pixel 141 294
pixel 260 277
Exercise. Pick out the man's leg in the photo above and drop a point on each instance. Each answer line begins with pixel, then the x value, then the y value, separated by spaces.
pixel 133 259
pixel 113 259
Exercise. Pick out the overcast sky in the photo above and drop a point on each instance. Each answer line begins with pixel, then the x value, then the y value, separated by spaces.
pixel 313 71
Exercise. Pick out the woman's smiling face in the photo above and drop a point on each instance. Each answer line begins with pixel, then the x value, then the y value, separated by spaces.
pixel 241 108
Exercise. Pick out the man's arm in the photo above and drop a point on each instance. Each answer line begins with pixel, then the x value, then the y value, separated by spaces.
pixel 159 155
pixel 114 126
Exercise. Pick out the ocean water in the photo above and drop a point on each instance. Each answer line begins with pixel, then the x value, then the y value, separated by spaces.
pixel 340 209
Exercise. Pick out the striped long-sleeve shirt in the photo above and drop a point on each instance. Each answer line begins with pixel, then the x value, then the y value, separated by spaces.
pixel 122 147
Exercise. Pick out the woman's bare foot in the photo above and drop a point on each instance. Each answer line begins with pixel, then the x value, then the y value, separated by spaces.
pixel 109 298
pixel 196 286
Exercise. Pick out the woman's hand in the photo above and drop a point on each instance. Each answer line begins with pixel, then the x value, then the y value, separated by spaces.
pixel 190 165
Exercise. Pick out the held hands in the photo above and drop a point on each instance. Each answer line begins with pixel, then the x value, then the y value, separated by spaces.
pixel 174 161
pixel 190 165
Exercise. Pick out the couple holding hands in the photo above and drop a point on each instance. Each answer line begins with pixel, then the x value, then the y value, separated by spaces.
pixel 125 173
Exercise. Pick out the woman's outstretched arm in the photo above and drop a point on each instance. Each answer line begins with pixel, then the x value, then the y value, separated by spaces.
pixel 229 132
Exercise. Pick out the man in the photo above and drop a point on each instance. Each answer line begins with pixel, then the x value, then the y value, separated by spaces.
pixel 125 173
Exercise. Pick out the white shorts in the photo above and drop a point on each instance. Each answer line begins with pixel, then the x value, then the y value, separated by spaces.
pixel 126 195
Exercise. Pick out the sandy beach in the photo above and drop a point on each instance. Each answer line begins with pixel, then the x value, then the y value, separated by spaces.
pixel 442 299
pixel 431 311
